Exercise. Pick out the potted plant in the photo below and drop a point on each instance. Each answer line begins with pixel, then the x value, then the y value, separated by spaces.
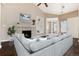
pixel 11 31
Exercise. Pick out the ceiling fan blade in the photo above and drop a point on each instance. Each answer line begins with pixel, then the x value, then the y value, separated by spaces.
pixel 46 4
pixel 38 4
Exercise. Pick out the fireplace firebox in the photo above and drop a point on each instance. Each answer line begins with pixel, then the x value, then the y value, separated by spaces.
pixel 27 33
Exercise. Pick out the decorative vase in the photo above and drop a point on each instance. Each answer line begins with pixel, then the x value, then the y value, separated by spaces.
pixel 33 22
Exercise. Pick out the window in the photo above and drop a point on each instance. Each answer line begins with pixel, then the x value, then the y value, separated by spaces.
pixel 53 27
pixel 64 26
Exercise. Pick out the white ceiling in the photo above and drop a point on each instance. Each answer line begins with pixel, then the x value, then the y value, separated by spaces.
pixel 56 8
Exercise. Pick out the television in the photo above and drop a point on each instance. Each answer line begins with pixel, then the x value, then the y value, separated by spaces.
pixel 25 17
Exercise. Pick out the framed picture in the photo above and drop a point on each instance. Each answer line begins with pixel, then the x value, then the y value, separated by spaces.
pixel 25 17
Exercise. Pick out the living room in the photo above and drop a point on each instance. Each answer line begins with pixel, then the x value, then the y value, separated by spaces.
pixel 33 20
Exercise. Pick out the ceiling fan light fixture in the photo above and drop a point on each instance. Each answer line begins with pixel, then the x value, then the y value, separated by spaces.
pixel 46 5
pixel 38 4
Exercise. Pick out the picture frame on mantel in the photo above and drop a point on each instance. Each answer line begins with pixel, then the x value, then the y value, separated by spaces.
pixel 24 18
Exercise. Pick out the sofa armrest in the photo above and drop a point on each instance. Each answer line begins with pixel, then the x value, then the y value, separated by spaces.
pixel 21 51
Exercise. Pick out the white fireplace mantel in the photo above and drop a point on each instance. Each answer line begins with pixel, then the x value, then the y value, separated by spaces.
pixel 21 27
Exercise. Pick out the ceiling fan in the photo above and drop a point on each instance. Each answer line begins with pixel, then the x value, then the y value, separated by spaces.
pixel 43 3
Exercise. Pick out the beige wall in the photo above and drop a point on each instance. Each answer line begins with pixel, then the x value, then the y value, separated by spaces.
pixel 78 12
pixel 50 15
pixel 73 26
pixel 68 15
pixel 10 15
pixel 0 20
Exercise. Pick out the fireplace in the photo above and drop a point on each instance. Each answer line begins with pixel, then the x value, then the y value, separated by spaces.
pixel 27 33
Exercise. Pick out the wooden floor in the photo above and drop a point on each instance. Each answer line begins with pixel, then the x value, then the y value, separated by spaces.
pixel 74 50
pixel 9 50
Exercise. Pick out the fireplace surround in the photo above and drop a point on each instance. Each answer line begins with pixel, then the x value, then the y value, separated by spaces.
pixel 23 29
